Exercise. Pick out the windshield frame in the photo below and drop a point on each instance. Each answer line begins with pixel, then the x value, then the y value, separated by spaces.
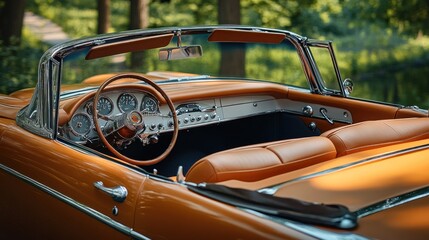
pixel 39 118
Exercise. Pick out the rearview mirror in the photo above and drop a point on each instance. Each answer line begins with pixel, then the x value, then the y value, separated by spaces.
pixel 175 53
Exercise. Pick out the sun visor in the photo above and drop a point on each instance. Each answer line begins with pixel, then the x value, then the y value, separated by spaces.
pixel 129 46
pixel 233 35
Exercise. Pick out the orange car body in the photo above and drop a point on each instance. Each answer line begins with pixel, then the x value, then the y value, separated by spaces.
pixel 378 160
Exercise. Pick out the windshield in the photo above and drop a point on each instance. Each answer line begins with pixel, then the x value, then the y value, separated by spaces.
pixel 269 62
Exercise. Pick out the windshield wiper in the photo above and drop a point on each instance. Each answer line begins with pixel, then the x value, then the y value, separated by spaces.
pixel 333 215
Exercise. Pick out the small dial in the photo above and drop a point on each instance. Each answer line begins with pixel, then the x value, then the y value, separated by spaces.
pixel 80 123
pixel 127 102
pixel 104 106
pixel 149 105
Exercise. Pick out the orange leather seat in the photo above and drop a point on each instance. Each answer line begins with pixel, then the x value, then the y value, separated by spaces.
pixel 255 162
pixel 373 134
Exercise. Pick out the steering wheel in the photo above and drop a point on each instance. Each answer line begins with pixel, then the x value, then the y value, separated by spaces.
pixel 133 123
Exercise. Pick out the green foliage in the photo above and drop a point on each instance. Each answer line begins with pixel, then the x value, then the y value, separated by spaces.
pixel 405 16
pixel 19 64
pixel 381 43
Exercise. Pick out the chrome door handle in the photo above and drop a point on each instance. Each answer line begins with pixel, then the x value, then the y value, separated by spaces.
pixel 324 112
pixel 118 193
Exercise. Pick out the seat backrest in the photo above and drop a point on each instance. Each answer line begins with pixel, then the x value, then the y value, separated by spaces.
pixel 255 162
pixel 373 134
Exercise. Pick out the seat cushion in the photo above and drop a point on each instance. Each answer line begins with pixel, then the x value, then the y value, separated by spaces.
pixel 373 134
pixel 255 162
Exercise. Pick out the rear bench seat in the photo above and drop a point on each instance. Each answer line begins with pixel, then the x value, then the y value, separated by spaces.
pixel 374 134
pixel 256 162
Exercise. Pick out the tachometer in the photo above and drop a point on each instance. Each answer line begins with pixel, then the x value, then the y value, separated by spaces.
pixel 104 106
pixel 80 123
pixel 127 102
pixel 149 105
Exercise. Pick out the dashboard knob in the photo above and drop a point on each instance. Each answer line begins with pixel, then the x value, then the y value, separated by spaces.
pixel 152 126
pixel 206 117
pixel 160 126
pixel 170 124
pixel 307 110
pixel 186 120
pixel 213 116
pixel 199 118
pixel 192 119
pixel 153 139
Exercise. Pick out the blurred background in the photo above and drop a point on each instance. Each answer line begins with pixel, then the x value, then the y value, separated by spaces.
pixel 382 45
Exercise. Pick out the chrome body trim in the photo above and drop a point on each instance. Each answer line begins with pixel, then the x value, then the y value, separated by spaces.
pixel 75 204
pixel 271 190
pixel 393 202
pixel 307 229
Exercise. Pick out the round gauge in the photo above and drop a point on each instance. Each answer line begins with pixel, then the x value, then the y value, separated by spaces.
pixel 127 102
pixel 80 123
pixel 149 105
pixel 104 106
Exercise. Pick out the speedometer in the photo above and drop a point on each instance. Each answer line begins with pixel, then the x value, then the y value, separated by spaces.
pixel 149 105
pixel 127 102
pixel 80 124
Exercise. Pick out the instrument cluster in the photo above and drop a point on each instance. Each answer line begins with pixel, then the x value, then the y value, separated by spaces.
pixel 80 128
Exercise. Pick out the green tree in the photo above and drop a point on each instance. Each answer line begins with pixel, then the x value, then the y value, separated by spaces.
pixel 232 62
pixel 103 16
pixel 11 21
pixel 139 19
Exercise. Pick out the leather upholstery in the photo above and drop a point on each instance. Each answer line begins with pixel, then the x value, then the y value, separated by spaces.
pixel 373 134
pixel 255 162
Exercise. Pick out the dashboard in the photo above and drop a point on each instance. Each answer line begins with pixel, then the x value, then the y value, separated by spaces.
pixel 157 117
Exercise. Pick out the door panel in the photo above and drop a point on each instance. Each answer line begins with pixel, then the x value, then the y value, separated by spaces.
pixel 24 209
pixel 360 110
pixel 70 172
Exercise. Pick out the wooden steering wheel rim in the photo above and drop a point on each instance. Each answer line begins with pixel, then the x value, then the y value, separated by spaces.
pixel 109 146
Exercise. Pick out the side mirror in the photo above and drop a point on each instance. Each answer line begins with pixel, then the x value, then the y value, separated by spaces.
pixel 348 86
pixel 175 53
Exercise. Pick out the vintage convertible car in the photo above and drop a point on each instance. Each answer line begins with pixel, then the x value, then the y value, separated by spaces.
pixel 223 132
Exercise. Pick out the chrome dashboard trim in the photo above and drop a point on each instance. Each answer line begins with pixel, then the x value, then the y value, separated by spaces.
pixel 271 190
pixel 75 204
pixel 392 202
